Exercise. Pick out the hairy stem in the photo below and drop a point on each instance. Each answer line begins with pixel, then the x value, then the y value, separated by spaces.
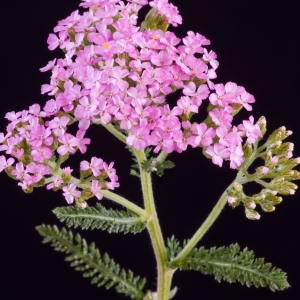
pixel 133 207
pixel 106 193
pixel 164 274
pixel 203 228
pixel 115 132
pixel 162 156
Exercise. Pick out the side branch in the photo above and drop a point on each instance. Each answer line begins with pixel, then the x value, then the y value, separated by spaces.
pixel 115 132
pixel 203 228
pixel 133 207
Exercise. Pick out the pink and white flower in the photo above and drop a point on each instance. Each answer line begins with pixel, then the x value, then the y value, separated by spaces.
pixel 70 192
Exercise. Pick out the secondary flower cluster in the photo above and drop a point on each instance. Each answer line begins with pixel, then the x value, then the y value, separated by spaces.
pixel 115 72
pixel 33 143
pixel 275 175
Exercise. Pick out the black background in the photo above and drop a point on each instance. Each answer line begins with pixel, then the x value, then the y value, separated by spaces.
pixel 257 47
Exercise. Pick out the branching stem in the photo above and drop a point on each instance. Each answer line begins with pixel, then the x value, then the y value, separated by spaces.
pixel 164 274
pixel 133 207
pixel 203 228
pixel 106 193
pixel 115 132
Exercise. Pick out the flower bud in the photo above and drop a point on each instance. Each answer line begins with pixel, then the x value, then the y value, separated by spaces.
pixel 237 187
pixel 267 156
pixel 277 182
pixel 268 192
pixel 86 194
pixel 247 148
pixel 287 188
pixel 28 189
pixel 278 135
pixel 270 161
pixel 286 147
pixel 291 163
pixel 233 201
pixel 258 198
pixel 273 147
pixel 282 158
pixel 267 206
pixel 236 108
pixel 276 200
pixel 85 173
pixel 296 176
pixel 252 214
pixel 261 171
pixel 66 175
pixel 81 204
pixel 289 174
pixel 262 123
pixel 268 203
pixel 154 20
pixel 250 204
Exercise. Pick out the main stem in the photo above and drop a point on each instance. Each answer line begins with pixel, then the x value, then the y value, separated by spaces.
pixel 165 274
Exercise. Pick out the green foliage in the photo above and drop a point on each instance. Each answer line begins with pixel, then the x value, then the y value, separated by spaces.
pixel 230 264
pixel 100 218
pixel 173 248
pixel 149 165
pixel 135 171
pixel 152 165
pixel 87 259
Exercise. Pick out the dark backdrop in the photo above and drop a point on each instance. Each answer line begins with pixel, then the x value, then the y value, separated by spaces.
pixel 257 43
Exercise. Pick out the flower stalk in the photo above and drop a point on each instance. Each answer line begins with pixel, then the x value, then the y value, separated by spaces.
pixel 163 278
pixel 203 228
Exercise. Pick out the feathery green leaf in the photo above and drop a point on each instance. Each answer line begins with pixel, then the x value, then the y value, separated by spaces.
pixel 135 170
pixel 152 165
pixel 87 259
pixel 230 264
pixel 100 218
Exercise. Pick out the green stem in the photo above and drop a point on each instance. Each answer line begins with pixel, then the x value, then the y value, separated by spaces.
pixel 203 229
pixel 162 156
pixel 115 132
pixel 133 207
pixel 164 274
pixel 106 193
pixel 168 275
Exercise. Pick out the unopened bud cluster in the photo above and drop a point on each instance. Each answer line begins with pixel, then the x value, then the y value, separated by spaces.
pixel 276 175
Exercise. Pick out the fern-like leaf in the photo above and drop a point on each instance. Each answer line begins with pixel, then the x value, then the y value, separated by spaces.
pixel 100 218
pixel 152 165
pixel 230 264
pixel 86 258
pixel 135 170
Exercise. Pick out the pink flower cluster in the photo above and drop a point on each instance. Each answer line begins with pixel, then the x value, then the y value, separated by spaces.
pixel 114 73
pixel 33 142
